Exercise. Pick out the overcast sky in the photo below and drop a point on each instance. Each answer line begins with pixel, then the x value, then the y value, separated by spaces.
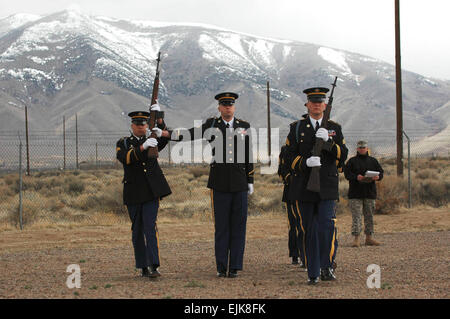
pixel 362 26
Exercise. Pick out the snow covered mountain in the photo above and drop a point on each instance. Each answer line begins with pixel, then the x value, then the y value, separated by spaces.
pixel 101 68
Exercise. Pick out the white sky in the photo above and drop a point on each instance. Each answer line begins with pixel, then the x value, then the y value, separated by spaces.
pixel 362 26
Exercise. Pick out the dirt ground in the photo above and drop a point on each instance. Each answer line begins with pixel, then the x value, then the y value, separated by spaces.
pixel 414 259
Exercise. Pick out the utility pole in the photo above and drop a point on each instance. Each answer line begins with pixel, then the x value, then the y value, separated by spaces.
pixel 398 82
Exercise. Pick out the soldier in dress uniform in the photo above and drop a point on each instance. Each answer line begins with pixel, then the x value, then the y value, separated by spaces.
pixel 230 180
pixel 144 185
pixel 295 232
pixel 316 209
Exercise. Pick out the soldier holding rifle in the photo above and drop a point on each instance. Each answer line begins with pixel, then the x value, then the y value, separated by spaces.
pixel 316 205
pixel 230 180
pixel 144 183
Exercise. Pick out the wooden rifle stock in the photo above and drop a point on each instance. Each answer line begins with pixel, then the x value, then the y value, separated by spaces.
pixel 314 177
pixel 153 151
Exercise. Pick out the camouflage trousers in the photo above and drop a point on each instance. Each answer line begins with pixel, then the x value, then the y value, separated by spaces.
pixel 364 207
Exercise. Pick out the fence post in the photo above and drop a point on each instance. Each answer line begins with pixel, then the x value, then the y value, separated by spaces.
pixel 64 141
pixel 76 139
pixel 409 171
pixel 20 183
pixel 28 143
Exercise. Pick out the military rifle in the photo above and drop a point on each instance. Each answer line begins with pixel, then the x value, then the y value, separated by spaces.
pixel 314 178
pixel 154 115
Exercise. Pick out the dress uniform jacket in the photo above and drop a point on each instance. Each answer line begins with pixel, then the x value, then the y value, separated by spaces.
pixel 300 142
pixel 227 174
pixel 143 178
pixel 359 164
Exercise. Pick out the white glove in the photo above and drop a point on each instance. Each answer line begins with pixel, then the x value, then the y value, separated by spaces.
pixel 157 131
pixel 322 133
pixel 151 142
pixel 250 189
pixel 313 161
pixel 155 107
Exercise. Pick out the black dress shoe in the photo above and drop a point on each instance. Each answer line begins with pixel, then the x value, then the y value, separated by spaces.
pixel 221 274
pixel 295 260
pixel 145 272
pixel 327 274
pixel 334 265
pixel 154 273
pixel 313 281
pixel 233 273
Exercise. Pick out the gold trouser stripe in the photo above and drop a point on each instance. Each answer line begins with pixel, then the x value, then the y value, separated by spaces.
pixel 303 230
pixel 157 241
pixel 212 207
pixel 156 230
pixel 338 151
pixel 129 157
pixel 333 240
pixel 295 214
pixel 295 161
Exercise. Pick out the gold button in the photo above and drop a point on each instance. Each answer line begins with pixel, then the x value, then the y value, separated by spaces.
pixel 231 159
pixel 231 152
pixel 145 170
pixel 143 164
pixel 230 144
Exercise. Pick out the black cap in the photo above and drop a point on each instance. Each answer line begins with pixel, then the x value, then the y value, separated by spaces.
pixel 226 98
pixel 139 117
pixel 316 94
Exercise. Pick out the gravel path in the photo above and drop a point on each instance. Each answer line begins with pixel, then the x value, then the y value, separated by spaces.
pixel 413 265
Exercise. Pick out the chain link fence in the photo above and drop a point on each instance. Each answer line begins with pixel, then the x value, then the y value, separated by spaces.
pixel 73 177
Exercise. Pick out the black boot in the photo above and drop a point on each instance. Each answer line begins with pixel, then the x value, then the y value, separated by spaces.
pixel 233 273
pixel 327 274
pixel 145 272
pixel 154 272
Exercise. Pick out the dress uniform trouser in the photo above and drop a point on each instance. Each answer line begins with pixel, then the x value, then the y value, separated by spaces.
pixel 145 233
pixel 319 221
pixel 230 220
pixel 295 234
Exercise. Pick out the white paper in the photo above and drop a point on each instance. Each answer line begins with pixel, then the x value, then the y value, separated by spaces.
pixel 371 174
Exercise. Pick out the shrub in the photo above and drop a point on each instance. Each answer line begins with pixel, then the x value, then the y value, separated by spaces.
pixel 199 171
pixel 392 192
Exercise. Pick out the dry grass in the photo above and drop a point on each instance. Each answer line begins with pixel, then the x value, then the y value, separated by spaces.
pixel 93 197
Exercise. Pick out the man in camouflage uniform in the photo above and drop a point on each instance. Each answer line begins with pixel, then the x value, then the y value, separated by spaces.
pixel 362 192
